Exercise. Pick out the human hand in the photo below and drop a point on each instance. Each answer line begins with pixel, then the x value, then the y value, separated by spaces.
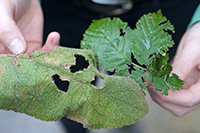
pixel 21 28
pixel 186 65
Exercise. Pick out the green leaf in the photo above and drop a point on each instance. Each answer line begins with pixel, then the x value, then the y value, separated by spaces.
pixel 150 37
pixel 28 85
pixel 112 49
pixel 159 74
pixel 138 75
pixel 148 42
pixel 174 82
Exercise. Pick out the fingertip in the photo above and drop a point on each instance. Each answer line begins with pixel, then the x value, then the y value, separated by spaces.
pixel 53 38
pixel 52 41
pixel 182 68
pixel 56 40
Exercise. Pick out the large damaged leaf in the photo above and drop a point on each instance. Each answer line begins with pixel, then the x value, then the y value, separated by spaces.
pixel 51 85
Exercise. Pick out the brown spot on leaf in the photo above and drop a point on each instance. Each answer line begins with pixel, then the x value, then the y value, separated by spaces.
pixel 101 118
pixel 82 119
pixel 40 87
pixel 110 127
pixel 49 60
pixel 23 94
pixel 31 106
pixel 54 59
pixel 2 68
pixel 68 65
pixel 16 63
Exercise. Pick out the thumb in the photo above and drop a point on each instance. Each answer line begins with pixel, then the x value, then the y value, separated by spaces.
pixel 10 35
pixel 16 46
pixel 182 68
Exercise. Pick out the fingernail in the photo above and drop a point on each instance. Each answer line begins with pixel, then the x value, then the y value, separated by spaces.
pixel 56 40
pixel 16 46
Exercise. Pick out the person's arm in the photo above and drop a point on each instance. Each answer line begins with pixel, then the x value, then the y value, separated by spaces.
pixel 186 65
pixel 21 27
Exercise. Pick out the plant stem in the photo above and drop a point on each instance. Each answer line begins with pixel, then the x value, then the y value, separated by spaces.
pixel 138 66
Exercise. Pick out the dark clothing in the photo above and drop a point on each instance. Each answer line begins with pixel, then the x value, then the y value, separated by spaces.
pixel 71 22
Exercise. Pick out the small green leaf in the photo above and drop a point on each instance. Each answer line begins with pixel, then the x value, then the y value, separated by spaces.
pixel 158 66
pixel 174 82
pixel 150 37
pixel 159 74
pixel 28 86
pixel 104 37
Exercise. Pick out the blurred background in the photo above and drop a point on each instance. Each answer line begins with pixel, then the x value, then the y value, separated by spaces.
pixel 157 121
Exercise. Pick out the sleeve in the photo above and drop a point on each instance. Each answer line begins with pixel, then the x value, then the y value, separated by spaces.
pixel 195 18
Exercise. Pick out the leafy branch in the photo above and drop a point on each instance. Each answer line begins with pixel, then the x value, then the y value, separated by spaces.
pixel 51 85
pixel 113 43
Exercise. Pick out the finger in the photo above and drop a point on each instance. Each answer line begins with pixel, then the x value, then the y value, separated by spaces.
pixel 10 34
pixel 52 41
pixel 186 98
pixel 180 46
pixel 177 110
pixel 4 49
pixel 187 56
pixel 187 60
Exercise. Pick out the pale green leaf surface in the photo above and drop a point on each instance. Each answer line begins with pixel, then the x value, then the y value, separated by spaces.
pixel 27 86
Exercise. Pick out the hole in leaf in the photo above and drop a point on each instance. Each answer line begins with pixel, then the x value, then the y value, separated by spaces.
pixel 162 23
pixel 62 85
pixel 98 82
pixel 122 33
pixel 81 63
pixel 151 55
pixel 130 68
pixel 111 72
pixel 136 62
pixel 142 78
